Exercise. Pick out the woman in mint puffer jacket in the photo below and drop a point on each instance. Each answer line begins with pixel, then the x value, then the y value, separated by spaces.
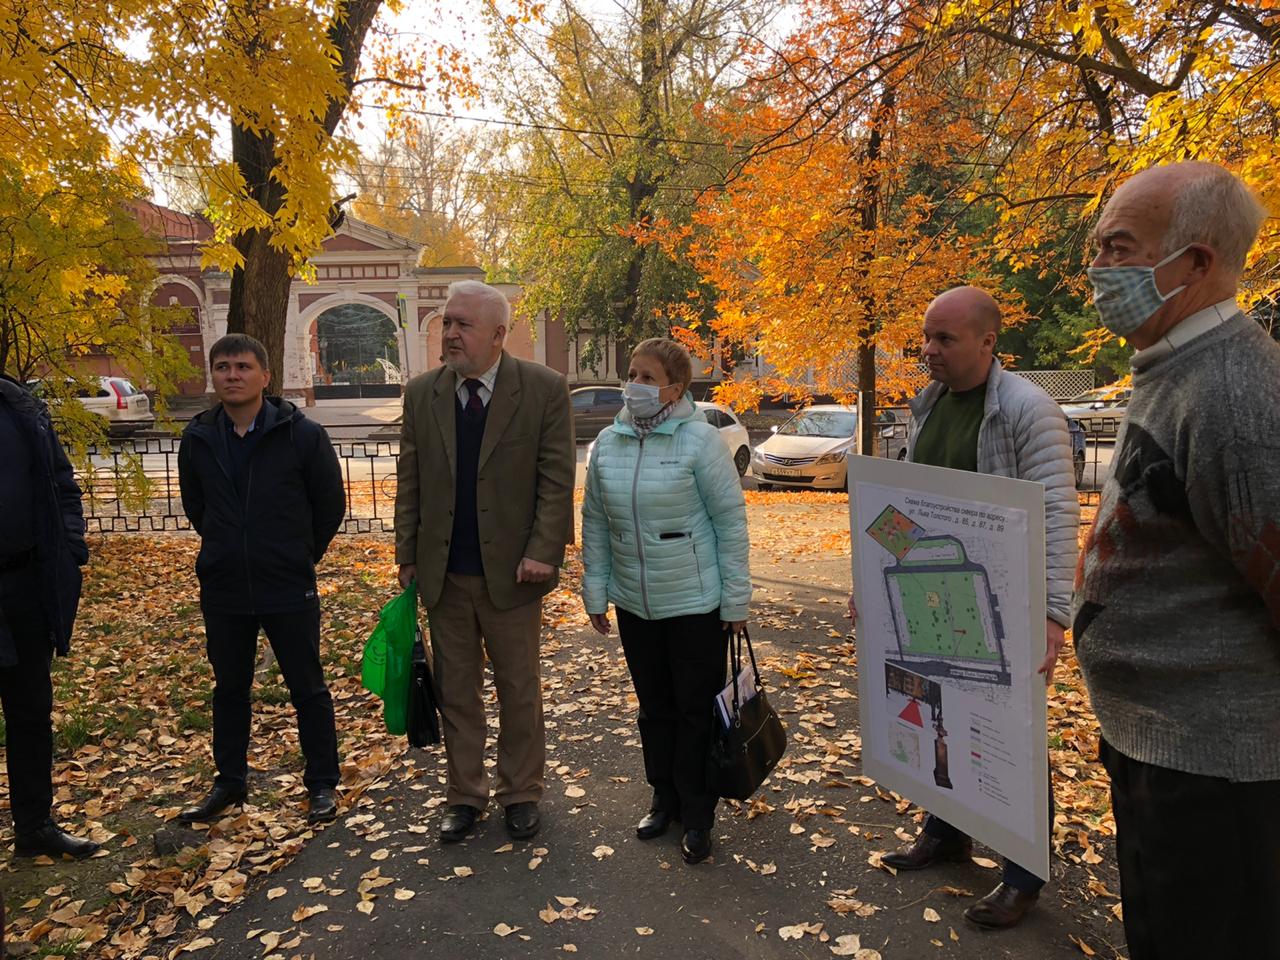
pixel 664 538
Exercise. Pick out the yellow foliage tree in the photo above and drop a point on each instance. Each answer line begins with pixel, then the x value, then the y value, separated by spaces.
pixel 246 95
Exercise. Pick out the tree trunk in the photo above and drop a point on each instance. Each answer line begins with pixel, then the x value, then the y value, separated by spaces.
pixel 260 289
pixel 260 299
pixel 643 186
pixel 867 336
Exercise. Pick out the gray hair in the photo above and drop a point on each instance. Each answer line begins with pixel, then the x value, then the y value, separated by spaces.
pixel 1216 208
pixel 496 305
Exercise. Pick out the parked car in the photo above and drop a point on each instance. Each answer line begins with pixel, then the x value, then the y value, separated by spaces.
pixel 1100 411
pixel 811 449
pixel 732 432
pixel 594 409
pixel 125 408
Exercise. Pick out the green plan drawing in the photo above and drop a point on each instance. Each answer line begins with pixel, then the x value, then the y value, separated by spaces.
pixel 904 746
pixel 941 611
pixel 945 616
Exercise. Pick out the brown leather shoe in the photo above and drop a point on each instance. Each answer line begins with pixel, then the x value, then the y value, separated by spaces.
pixel 1003 907
pixel 926 851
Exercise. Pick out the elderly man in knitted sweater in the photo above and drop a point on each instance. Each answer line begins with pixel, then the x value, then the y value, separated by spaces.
pixel 1177 610
pixel 975 416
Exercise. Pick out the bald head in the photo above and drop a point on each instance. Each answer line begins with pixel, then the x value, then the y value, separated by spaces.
pixel 970 304
pixel 960 328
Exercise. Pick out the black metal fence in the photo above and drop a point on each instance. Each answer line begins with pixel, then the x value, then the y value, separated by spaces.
pixel 132 486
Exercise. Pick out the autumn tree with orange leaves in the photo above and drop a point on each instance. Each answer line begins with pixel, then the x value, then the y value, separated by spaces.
pixel 888 153
pixel 837 229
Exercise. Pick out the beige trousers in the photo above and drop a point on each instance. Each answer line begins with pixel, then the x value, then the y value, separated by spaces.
pixel 464 627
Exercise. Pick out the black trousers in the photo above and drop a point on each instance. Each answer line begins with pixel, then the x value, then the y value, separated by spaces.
pixel 1199 862
pixel 677 666
pixel 233 646
pixel 26 693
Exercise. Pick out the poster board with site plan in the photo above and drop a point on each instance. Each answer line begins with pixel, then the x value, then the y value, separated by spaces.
pixel 949 582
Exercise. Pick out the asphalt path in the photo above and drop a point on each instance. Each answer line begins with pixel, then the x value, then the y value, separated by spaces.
pixel 766 880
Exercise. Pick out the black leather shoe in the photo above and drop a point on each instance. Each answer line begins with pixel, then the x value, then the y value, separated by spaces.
pixel 324 805
pixel 51 840
pixel 927 850
pixel 696 845
pixel 219 799
pixel 523 820
pixel 653 824
pixel 1003 907
pixel 457 823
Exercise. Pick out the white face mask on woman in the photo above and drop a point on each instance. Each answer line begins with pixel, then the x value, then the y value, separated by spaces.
pixel 644 400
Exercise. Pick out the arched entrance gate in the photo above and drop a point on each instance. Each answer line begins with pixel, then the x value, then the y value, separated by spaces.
pixel 357 353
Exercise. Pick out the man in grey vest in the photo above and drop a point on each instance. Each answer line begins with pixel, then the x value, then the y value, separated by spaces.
pixel 1177 609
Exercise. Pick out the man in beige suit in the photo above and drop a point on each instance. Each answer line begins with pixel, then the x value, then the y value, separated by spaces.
pixel 484 508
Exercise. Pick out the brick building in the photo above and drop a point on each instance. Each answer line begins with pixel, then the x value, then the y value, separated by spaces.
pixel 371 317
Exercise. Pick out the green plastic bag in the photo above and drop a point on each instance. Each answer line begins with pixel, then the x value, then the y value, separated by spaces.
pixel 387 665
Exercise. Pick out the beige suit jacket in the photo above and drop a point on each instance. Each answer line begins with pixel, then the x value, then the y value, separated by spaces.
pixel 524 493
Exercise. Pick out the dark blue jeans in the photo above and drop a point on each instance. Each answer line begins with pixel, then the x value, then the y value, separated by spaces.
pixel 1014 875
pixel 232 647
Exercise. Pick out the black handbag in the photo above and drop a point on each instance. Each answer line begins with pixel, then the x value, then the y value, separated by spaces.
pixel 423 723
pixel 745 753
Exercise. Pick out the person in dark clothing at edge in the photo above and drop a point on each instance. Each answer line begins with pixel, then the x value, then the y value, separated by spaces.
pixel 41 551
pixel 262 486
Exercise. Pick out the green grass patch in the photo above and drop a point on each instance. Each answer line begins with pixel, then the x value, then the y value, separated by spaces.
pixel 198 717
pixel 272 693
pixel 74 730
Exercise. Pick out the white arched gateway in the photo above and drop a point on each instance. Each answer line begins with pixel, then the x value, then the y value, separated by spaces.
pixel 368 322
pixel 356 344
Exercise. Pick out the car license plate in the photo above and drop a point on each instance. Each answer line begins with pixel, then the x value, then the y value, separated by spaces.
pixel 785 471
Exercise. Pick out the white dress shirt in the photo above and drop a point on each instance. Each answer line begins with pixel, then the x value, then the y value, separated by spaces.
pixel 486 379
pixel 1199 323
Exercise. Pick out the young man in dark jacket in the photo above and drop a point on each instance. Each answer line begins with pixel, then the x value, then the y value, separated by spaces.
pixel 41 551
pixel 262 486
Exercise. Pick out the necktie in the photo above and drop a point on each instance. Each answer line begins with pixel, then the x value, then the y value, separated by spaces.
pixel 475 406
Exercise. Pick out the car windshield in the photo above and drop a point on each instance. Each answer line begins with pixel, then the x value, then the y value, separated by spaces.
pixel 821 423
pixel 124 387
pixel 1097 394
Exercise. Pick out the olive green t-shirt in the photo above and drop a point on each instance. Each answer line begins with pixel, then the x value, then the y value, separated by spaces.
pixel 949 437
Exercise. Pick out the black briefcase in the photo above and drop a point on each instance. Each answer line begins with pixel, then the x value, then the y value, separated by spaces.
pixel 423 723
pixel 745 751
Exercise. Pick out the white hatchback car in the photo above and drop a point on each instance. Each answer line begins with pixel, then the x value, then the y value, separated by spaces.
pixel 125 408
pixel 732 432
pixel 811 449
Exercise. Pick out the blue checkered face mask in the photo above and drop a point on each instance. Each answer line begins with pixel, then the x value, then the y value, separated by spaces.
pixel 1126 297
